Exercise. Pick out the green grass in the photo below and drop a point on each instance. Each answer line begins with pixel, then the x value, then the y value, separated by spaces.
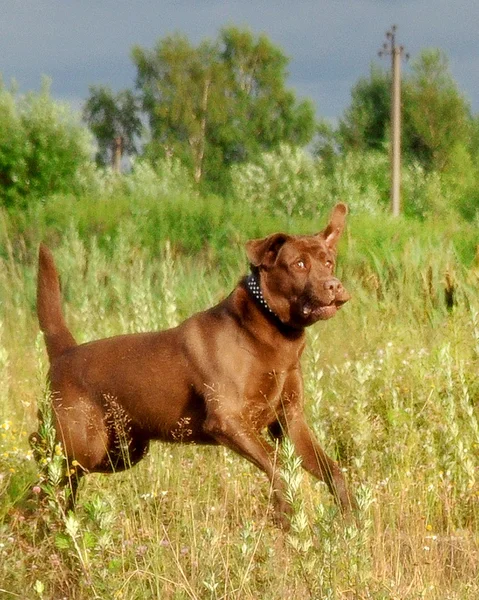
pixel 391 391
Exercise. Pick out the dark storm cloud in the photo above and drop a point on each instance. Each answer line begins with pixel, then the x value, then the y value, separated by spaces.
pixel 330 43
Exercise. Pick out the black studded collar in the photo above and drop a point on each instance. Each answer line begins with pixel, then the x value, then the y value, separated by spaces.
pixel 254 287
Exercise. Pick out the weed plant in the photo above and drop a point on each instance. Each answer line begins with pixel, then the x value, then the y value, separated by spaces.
pixel 391 391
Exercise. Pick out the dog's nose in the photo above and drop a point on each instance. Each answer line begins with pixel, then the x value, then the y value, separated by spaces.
pixel 335 291
pixel 333 285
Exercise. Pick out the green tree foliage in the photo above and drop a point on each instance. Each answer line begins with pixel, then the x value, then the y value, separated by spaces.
pixel 12 147
pixel 183 93
pixel 220 102
pixel 365 123
pixel 43 147
pixel 263 112
pixel 436 118
pixel 115 122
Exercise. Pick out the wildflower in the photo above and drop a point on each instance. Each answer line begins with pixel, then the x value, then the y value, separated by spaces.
pixel 75 463
pixel 36 489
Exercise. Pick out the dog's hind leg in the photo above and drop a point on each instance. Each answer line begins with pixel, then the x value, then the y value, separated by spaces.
pixel 81 428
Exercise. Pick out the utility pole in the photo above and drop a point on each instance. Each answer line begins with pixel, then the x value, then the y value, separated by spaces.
pixel 396 52
pixel 117 154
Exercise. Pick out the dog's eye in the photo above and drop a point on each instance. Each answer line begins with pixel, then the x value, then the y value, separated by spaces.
pixel 300 264
pixel 329 264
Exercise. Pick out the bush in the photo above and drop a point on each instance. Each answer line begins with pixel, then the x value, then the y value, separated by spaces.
pixel 362 180
pixel 43 147
pixel 284 182
pixel 290 182
pixel 165 177
pixel 12 148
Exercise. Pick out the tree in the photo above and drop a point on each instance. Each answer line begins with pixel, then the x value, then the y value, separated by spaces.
pixel 220 102
pixel 437 118
pixel 365 123
pixel 183 95
pixel 263 112
pixel 115 121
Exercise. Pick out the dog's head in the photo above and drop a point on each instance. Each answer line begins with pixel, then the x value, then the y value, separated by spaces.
pixel 296 273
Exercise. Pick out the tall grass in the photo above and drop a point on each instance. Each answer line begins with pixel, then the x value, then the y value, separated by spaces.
pixel 391 392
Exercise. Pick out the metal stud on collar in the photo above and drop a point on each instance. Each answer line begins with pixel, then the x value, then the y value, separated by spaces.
pixel 255 289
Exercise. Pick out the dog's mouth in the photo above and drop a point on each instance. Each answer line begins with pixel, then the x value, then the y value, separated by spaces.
pixel 312 311
pixel 318 313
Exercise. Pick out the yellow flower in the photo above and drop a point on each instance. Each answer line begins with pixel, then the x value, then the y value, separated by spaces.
pixel 429 527
pixel 75 463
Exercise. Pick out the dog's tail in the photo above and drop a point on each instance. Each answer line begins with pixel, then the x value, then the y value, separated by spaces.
pixel 50 316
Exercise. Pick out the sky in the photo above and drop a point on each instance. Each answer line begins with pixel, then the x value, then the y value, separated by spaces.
pixel 330 43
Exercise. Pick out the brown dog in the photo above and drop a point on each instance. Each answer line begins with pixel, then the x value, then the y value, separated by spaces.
pixel 221 377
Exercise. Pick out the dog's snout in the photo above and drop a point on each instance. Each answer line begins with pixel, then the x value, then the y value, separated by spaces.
pixel 335 292
pixel 333 286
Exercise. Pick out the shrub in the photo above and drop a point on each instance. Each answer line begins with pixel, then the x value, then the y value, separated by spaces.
pixel 362 180
pixel 12 147
pixel 290 182
pixel 43 147
pixel 283 182
pixel 165 177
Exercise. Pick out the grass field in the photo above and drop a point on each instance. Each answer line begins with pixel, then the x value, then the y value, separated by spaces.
pixel 391 391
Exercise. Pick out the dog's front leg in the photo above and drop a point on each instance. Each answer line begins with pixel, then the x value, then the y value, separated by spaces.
pixel 314 458
pixel 233 431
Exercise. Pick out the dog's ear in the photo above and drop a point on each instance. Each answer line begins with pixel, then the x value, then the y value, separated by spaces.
pixel 334 229
pixel 263 252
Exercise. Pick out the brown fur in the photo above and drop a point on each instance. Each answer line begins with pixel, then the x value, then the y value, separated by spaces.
pixel 223 376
